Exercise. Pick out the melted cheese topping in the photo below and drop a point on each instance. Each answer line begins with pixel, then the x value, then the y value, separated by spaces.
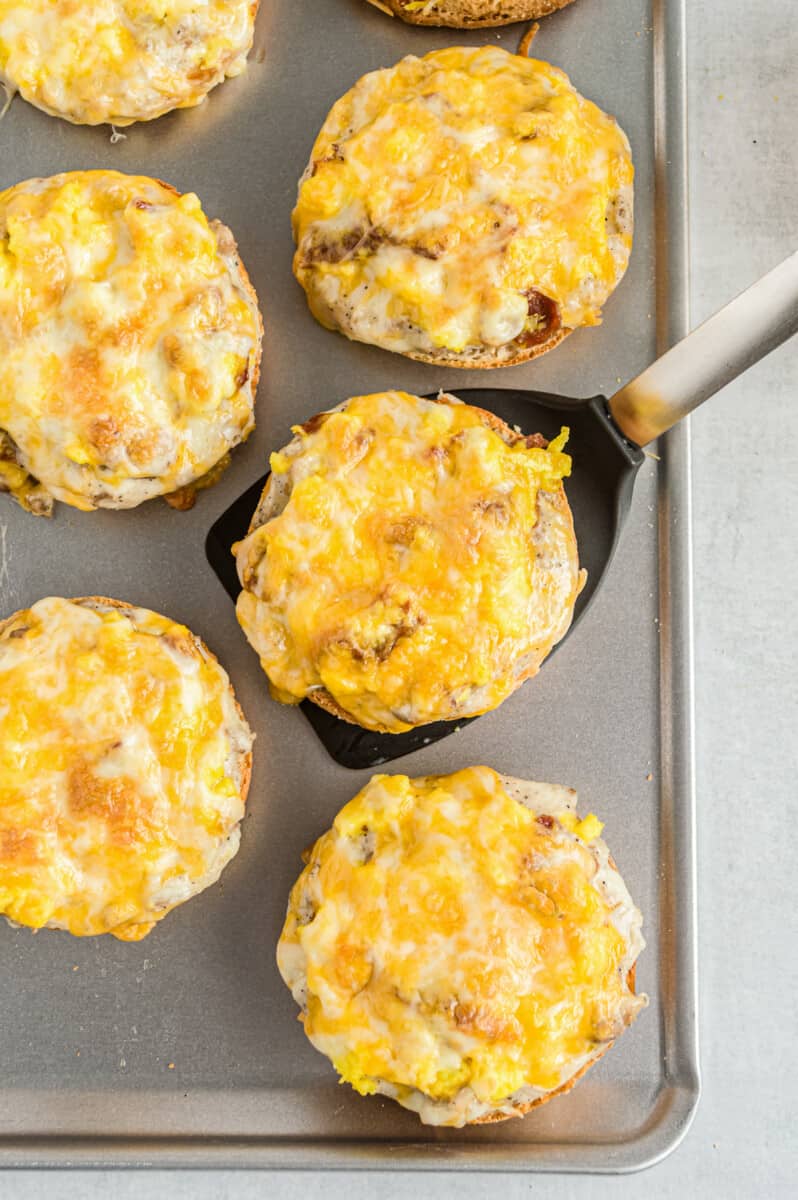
pixel 121 60
pixel 420 565
pixel 121 768
pixel 447 194
pixel 128 343
pixel 458 950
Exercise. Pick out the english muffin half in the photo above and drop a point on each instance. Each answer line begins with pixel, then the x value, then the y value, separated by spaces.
pixel 468 208
pixel 124 767
pixel 121 61
pixel 129 342
pixel 468 14
pixel 409 561
pixel 463 944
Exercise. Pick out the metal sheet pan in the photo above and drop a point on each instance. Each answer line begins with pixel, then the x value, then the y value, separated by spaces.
pixel 89 1028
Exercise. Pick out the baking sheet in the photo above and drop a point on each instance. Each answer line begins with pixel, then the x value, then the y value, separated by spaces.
pixel 184 1049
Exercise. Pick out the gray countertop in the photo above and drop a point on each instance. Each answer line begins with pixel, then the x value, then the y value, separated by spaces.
pixel 743 87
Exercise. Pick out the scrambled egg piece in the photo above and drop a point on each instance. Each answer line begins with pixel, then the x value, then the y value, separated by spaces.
pixel 121 60
pixel 129 341
pixel 459 950
pixel 466 205
pixel 124 765
pixel 415 563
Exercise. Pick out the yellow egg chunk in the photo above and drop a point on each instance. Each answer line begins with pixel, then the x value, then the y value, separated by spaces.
pixel 129 341
pixel 124 767
pixel 468 207
pixel 121 61
pixel 455 945
pixel 410 561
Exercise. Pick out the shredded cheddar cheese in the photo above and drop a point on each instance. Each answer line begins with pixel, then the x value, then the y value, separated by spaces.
pixel 120 61
pixel 121 776
pixel 128 341
pixel 469 201
pixel 456 949
pixel 422 565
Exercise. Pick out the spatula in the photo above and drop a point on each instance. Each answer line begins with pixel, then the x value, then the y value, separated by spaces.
pixel 606 440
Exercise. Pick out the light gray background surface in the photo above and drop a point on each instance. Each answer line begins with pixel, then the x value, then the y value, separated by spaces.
pixel 744 218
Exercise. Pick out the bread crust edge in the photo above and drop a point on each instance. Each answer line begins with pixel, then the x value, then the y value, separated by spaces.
pixel 522 10
pixel 488 360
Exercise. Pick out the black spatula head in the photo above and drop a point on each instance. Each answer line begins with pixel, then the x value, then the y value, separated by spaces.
pixel 599 491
